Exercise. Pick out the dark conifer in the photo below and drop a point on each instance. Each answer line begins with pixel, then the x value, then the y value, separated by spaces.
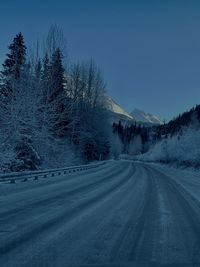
pixel 57 75
pixel 13 64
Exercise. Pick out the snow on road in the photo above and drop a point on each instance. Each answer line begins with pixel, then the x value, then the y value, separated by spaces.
pixel 119 214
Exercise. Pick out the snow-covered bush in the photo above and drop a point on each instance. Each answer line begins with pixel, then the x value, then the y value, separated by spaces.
pixel 183 148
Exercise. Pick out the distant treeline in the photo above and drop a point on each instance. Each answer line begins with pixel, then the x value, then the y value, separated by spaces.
pixel 176 125
pixel 134 137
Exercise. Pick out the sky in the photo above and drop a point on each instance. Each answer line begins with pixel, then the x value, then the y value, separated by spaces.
pixel 148 51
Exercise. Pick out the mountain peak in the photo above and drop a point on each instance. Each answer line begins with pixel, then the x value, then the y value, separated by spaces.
pixel 117 109
pixel 138 115
pixel 143 117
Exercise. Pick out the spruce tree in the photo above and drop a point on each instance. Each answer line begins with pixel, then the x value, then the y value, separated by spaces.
pixel 58 97
pixel 57 75
pixel 13 64
pixel 38 71
pixel 45 78
pixel 17 108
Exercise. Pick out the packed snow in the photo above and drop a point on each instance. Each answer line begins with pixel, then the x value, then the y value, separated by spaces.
pixel 122 213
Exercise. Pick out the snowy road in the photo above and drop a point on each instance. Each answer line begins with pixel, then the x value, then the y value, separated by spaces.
pixel 121 214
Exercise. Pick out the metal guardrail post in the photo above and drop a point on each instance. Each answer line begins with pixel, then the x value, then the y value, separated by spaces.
pixel 23 176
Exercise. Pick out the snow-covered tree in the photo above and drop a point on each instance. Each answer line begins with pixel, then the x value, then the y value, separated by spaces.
pixel 135 146
pixel 89 118
pixel 116 146
pixel 183 148
pixel 45 111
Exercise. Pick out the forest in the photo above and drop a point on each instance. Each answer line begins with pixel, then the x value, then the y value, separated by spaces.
pixel 52 112
pixel 177 141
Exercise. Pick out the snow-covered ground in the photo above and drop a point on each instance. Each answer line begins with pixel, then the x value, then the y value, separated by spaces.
pixel 188 178
pixel 123 213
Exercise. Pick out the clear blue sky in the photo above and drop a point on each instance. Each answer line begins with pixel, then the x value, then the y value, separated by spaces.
pixel 148 51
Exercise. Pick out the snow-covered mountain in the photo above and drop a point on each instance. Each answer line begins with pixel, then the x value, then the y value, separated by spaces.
pixel 141 116
pixel 117 112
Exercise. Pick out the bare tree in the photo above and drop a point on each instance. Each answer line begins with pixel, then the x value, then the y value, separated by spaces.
pixel 55 39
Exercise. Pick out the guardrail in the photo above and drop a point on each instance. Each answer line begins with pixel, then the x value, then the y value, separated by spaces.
pixel 35 175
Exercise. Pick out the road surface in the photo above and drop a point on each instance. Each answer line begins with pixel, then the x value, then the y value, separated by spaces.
pixel 119 214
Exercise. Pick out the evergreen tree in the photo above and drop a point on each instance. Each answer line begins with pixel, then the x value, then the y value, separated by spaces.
pixel 45 79
pixel 38 71
pixel 57 75
pixel 57 100
pixel 13 64
pixel 17 108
